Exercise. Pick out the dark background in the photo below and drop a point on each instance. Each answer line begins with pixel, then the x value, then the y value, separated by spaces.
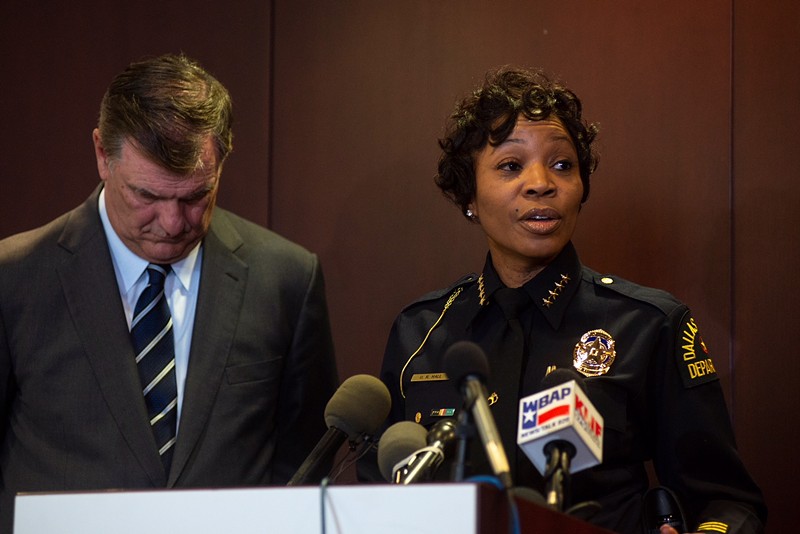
pixel 338 105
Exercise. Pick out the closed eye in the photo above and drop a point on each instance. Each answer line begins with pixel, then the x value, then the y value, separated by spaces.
pixel 195 198
pixel 144 195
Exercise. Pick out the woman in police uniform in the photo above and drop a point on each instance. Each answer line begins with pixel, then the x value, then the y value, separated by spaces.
pixel 516 160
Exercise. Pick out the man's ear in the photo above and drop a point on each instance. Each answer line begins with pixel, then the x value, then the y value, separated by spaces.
pixel 103 161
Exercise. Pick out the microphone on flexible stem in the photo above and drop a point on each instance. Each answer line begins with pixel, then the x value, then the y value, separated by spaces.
pixel 561 432
pixel 422 464
pixel 661 507
pixel 398 443
pixel 466 365
pixel 464 435
pixel 356 409
pixel 557 481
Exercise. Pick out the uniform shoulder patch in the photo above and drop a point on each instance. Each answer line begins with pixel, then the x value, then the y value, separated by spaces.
pixel 692 355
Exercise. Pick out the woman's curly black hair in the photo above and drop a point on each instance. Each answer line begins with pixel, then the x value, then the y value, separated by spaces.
pixel 489 115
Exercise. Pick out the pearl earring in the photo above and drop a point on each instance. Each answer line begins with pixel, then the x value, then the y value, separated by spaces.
pixel 470 214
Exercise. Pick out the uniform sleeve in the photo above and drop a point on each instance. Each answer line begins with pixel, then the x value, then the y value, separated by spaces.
pixel 310 379
pixel 695 450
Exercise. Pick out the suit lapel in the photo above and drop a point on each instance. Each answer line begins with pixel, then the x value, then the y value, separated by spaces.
pixel 90 290
pixel 222 282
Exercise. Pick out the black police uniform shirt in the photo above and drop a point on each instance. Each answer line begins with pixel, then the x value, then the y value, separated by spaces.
pixel 651 378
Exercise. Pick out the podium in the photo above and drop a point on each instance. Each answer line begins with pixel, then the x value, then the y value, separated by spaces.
pixel 462 508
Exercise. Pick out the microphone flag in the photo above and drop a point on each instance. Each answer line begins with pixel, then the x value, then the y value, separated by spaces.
pixel 562 412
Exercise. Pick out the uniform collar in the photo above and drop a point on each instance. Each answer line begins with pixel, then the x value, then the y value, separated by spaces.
pixel 551 290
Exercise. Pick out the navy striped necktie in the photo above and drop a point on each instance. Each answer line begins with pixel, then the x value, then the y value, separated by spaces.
pixel 153 343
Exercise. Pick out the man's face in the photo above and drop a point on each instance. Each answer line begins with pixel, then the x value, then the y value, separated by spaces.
pixel 159 215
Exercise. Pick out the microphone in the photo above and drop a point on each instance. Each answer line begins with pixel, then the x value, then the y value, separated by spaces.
pixel 560 431
pixel 357 408
pixel 423 463
pixel 397 444
pixel 661 507
pixel 560 413
pixel 465 363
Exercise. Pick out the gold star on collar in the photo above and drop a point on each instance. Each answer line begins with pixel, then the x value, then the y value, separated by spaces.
pixel 554 293
pixel 482 291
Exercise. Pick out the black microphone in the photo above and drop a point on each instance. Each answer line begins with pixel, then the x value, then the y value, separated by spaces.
pixel 661 507
pixel 357 408
pixel 397 444
pixel 466 365
pixel 422 464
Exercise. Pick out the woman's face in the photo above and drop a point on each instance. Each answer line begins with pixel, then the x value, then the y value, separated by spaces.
pixel 527 197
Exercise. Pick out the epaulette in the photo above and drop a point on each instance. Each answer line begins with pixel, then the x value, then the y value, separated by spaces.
pixel 658 298
pixel 461 283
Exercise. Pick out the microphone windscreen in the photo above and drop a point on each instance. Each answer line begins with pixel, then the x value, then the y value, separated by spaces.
pixel 561 376
pixel 359 406
pixel 442 432
pixel 463 359
pixel 398 442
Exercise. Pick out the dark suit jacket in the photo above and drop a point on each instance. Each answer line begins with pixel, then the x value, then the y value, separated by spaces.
pixel 72 415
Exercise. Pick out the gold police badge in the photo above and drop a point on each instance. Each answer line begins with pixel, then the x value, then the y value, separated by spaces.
pixel 594 353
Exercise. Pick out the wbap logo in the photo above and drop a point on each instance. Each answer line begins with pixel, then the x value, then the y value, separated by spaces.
pixel 538 411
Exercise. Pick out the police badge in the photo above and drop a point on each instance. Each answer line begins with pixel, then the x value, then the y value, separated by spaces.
pixel 594 353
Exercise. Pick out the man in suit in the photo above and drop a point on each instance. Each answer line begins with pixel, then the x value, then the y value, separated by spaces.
pixel 242 362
